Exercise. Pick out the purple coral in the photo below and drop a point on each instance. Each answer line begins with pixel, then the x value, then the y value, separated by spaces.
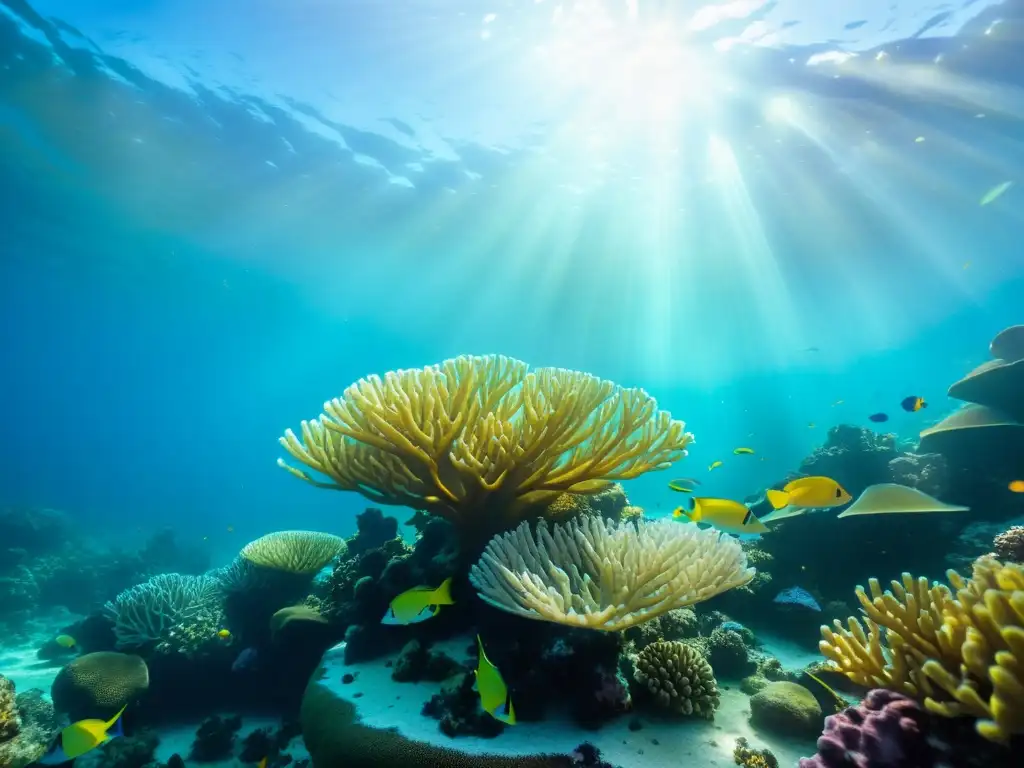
pixel 889 730
pixel 1009 545
pixel 886 730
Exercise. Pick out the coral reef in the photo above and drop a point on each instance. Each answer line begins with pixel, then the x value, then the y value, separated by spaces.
pixel 746 756
pixel 215 739
pixel 959 652
pixel 1008 546
pixel 678 678
pixel 677 624
pixel 786 709
pixel 481 440
pixel 136 750
pixel 457 708
pixel 148 613
pixel 98 685
pixel 607 576
pixel 890 730
pixel 417 662
pixel 728 654
pixel 27 725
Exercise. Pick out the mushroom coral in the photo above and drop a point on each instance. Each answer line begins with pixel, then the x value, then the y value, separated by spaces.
pixel 482 440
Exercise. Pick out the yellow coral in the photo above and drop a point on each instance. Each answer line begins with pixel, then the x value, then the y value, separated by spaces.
pixel 478 434
pixel 962 653
pixel 299 552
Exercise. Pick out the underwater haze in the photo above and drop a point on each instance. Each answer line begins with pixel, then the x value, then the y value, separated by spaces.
pixel 776 217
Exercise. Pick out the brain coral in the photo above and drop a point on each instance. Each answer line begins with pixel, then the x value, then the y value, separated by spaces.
pixel 678 677
pixel 97 685
pixel 298 552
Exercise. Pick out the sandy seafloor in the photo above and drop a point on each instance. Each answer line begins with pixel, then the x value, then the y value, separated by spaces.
pixel 660 743
pixel 383 703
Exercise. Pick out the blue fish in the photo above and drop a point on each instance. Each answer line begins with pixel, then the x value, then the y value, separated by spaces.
pixel 799 597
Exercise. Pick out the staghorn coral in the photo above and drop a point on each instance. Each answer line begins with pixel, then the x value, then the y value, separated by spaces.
pixel 960 653
pixel 606 576
pixel 480 440
pixel 144 614
pixel 298 552
pixel 678 677
pixel 99 684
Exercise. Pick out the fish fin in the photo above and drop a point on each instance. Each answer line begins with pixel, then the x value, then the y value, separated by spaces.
pixel 778 499
pixel 443 594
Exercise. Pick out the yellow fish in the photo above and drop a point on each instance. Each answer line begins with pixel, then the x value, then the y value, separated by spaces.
pixel 418 604
pixel 995 193
pixel 810 492
pixel 263 762
pixel 224 634
pixel 1017 486
pixel 81 737
pixel 743 451
pixel 65 641
pixel 723 514
pixel 494 695
pixel 714 465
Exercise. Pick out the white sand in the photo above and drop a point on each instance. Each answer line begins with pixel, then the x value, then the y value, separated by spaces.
pixel 661 743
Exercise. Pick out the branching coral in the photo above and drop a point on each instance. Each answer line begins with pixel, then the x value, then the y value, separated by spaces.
pixel 961 654
pixel 591 573
pixel 477 436
pixel 146 612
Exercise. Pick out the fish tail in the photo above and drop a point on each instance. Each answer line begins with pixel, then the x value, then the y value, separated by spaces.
pixel 443 595
pixel 778 499
pixel 113 726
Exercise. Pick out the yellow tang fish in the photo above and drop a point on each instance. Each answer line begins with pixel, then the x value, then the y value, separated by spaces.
pixel 743 451
pixel 81 737
pixel 494 695
pixel 224 634
pixel 715 465
pixel 419 604
pixel 1017 486
pixel 722 514
pixel 65 641
pixel 810 492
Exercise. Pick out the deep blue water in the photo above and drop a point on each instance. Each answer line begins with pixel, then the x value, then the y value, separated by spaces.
pixel 212 221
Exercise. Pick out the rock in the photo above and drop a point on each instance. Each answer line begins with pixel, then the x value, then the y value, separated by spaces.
pixel 786 709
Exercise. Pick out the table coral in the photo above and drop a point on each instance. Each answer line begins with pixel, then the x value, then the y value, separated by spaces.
pixel 482 440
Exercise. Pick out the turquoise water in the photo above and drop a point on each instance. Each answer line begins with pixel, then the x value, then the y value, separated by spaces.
pixel 215 217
